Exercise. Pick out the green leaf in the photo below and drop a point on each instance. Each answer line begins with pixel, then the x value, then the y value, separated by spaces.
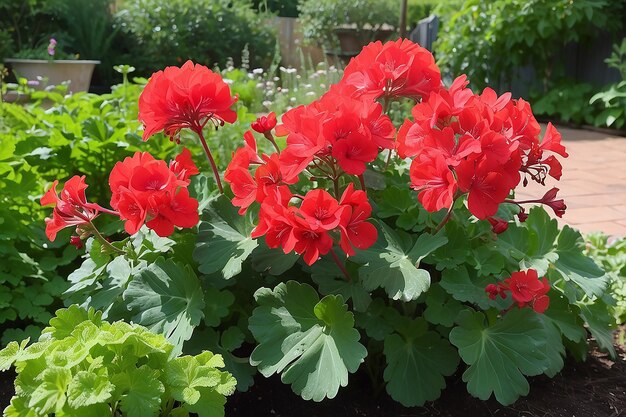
pixel 224 240
pixel 19 408
pixel 392 264
pixel 463 285
pixel 553 349
pixel 67 319
pixel 501 354
pixel 208 338
pixel 11 353
pixel 88 388
pixel 187 374
pixel 210 404
pixel 272 261
pixel 574 266
pixel 312 343
pixel 565 317
pixel 232 338
pixel 601 324
pixel 49 396
pixel 440 307
pixel 331 280
pixel 374 320
pixel 167 299
pixel 532 242
pixel 140 391
pixel 216 305
pixel 417 364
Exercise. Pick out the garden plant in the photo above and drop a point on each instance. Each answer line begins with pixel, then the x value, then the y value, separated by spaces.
pixel 335 238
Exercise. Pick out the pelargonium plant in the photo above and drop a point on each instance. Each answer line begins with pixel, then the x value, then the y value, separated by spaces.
pixel 345 242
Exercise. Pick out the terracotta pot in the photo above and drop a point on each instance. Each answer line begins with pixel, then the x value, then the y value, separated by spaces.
pixel 77 72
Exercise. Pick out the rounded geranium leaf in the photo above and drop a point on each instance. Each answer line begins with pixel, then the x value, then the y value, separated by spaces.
pixel 313 344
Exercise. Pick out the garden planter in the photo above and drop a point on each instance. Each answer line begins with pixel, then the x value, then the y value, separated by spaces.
pixel 352 40
pixel 77 72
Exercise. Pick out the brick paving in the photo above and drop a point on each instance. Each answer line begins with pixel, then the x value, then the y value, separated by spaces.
pixel 593 182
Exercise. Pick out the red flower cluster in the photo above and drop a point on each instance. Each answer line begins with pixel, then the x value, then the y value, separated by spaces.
pixel 393 69
pixel 186 97
pixel 525 288
pixel 308 229
pixel 70 207
pixel 336 132
pixel 146 190
pixel 465 143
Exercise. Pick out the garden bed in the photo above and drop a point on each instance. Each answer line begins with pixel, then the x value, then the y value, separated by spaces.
pixel 595 388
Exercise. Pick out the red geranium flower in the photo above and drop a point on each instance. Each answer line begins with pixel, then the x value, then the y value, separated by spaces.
pixel 356 232
pixel 264 123
pixel 186 97
pixel 146 190
pixel 527 289
pixel 394 69
pixel 70 207
pixel 434 181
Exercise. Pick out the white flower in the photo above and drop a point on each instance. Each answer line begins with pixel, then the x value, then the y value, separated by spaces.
pixel 257 71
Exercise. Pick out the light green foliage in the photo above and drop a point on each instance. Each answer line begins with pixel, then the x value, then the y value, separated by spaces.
pixel 610 254
pixel 84 366
pixel 78 134
pixel 311 342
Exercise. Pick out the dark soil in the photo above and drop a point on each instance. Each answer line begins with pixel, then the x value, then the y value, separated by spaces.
pixel 595 388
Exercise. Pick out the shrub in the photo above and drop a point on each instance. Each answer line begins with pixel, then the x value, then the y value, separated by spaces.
pixel 491 41
pixel 318 257
pixel 320 18
pixel 206 31
pixel 613 98
pixel 85 366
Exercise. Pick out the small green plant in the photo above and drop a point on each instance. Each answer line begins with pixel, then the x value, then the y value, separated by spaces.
pixel 567 101
pixel 610 253
pixel 85 366
pixel 613 98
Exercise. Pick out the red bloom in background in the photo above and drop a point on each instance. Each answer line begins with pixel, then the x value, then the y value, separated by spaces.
pixel 185 97
pixel 146 190
pixel 526 290
pixel 393 69
pixel 70 206
pixel 264 123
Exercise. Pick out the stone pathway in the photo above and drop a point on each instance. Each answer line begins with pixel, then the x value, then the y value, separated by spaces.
pixel 593 184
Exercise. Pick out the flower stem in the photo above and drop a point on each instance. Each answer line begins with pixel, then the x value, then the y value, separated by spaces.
pixel 445 219
pixel 216 173
pixel 340 264
pixel 362 181
pixel 269 137
pixel 105 243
